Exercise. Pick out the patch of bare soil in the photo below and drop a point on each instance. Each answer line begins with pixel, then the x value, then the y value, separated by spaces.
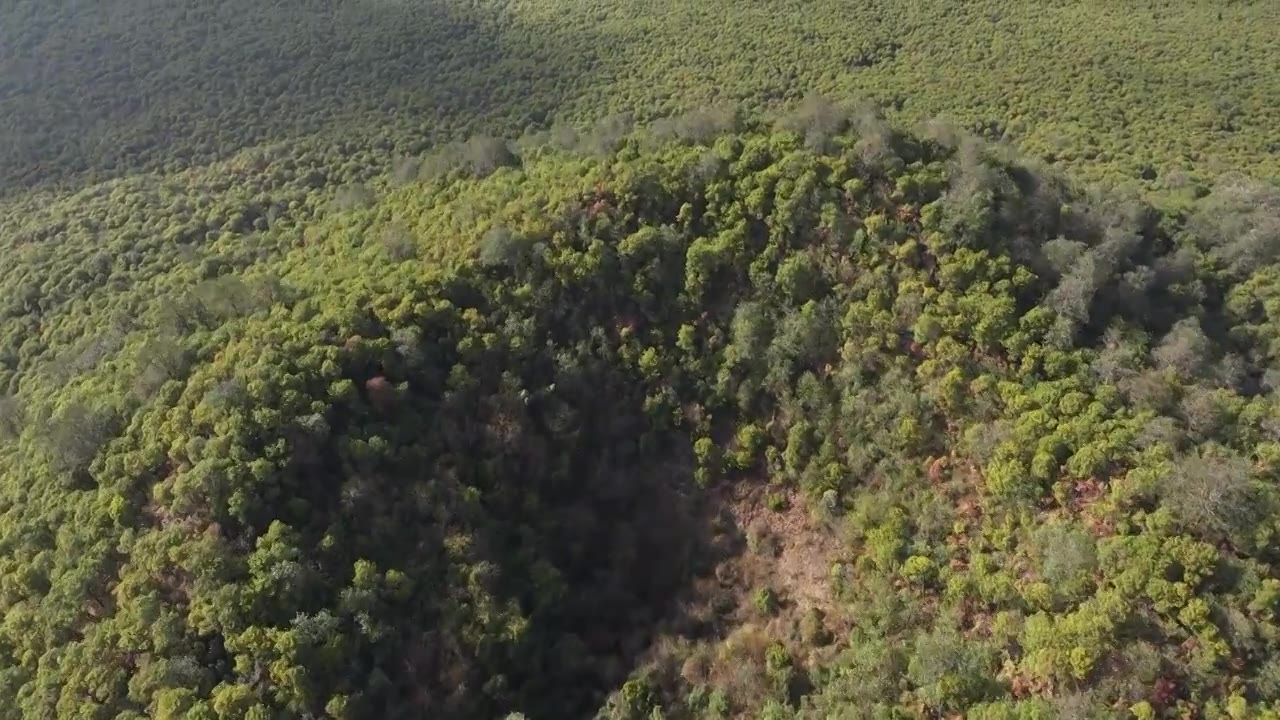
pixel 786 550
pixel 767 582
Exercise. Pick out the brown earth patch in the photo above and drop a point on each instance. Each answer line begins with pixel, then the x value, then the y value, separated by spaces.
pixel 786 549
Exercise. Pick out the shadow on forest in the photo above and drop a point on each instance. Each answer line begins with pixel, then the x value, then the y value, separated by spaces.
pixel 651 537
pixel 584 514
pixel 627 530
pixel 100 89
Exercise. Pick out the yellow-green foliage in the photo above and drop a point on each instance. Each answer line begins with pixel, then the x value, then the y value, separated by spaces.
pixel 340 376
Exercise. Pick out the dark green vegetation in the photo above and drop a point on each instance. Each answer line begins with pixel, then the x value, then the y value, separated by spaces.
pixel 449 451
pixel 1153 90
pixel 309 410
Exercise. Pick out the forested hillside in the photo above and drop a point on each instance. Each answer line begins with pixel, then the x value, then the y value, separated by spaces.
pixel 1166 92
pixel 410 359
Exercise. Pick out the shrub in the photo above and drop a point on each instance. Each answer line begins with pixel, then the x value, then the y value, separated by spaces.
pixel 919 569
pixel 765 601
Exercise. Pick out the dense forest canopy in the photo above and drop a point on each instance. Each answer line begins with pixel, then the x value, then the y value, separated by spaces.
pixel 1157 91
pixel 647 360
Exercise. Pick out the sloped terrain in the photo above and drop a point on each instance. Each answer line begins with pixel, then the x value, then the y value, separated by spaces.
pixel 459 448
pixel 475 358
pixel 1166 95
